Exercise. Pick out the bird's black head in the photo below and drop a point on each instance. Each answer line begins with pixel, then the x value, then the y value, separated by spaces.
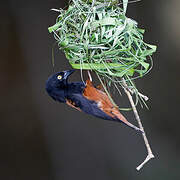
pixel 56 85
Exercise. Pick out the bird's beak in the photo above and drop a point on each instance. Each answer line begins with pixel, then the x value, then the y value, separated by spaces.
pixel 67 73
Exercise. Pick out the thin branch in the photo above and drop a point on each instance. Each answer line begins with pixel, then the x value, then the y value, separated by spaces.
pixel 149 151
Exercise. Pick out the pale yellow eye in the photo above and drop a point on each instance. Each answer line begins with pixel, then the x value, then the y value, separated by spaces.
pixel 59 77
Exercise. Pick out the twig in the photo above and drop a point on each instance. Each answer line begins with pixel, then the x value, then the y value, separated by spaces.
pixel 149 151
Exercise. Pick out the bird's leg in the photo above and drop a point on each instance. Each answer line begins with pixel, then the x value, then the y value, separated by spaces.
pixel 89 74
pixel 70 103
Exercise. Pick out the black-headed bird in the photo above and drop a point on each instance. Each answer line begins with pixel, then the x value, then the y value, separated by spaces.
pixel 84 97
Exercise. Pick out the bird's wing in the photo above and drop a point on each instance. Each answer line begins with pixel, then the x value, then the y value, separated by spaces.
pixel 100 97
pixel 104 103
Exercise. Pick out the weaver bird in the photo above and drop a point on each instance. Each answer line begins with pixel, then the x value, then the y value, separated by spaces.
pixel 84 97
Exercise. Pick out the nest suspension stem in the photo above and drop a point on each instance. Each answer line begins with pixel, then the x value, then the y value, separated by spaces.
pixel 149 151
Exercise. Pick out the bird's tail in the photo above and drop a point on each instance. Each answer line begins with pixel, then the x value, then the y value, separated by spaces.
pixel 124 120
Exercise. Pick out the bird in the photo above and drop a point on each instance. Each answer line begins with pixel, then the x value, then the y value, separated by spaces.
pixel 84 97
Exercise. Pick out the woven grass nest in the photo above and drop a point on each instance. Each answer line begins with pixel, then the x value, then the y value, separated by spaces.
pixel 96 35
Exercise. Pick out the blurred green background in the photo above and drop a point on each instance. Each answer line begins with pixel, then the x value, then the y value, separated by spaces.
pixel 43 140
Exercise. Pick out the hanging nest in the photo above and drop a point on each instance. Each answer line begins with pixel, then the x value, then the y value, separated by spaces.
pixel 97 35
